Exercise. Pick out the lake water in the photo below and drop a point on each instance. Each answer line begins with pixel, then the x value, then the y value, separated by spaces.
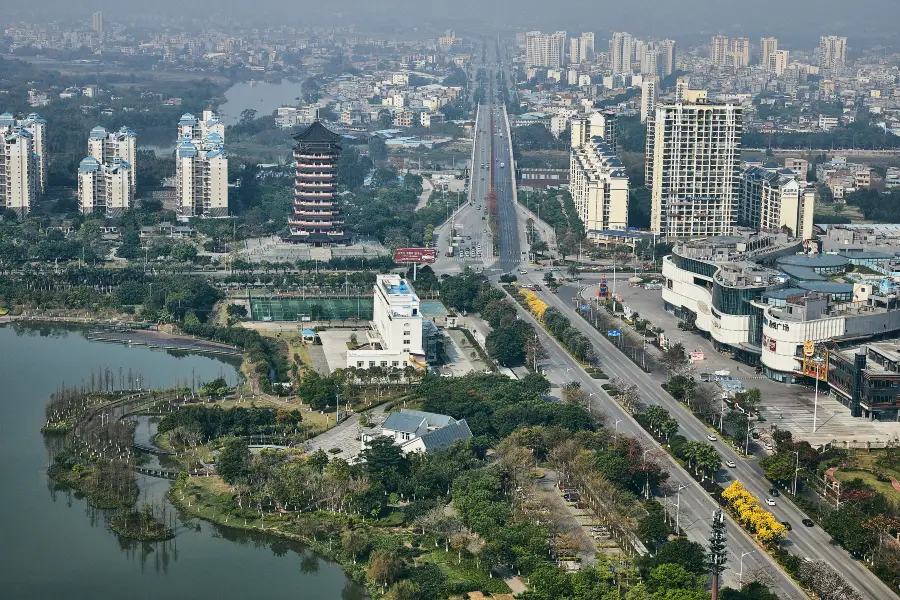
pixel 261 96
pixel 55 546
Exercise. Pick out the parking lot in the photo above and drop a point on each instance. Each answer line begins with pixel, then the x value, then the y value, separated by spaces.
pixel 785 406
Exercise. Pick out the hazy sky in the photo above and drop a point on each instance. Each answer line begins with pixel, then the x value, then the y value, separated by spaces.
pixel 803 19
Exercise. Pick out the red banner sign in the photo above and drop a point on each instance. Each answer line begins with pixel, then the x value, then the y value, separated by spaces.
pixel 415 255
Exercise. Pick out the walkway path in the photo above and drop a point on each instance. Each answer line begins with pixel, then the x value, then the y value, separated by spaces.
pixel 427 188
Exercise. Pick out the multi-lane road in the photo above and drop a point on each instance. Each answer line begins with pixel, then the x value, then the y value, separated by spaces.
pixel 491 147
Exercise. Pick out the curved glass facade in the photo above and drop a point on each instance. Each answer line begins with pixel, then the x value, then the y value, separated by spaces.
pixel 735 301
pixel 694 266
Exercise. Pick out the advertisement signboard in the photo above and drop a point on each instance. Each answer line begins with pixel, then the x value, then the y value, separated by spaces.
pixel 414 255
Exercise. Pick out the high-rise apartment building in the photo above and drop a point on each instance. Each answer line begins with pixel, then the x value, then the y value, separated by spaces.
pixel 773 200
pixel 650 62
pixel 621 53
pixel 201 167
pixel 778 62
pixel 649 96
pixel 575 51
pixel 832 54
pixel 22 162
pixel 597 180
pixel 740 52
pixel 104 188
pixel 767 47
pixel 682 87
pixel 586 46
pixel 106 147
pixel 718 51
pixel 545 50
pixel 317 217
pixel 666 58
pixel 600 123
pixel 97 22
pixel 693 167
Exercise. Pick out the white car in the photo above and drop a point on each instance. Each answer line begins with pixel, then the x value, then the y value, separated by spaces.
pixel 768 447
pixel 711 437
pixel 523 271
pixel 770 502
pixel 730 464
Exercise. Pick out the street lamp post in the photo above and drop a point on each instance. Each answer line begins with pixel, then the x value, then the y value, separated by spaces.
pixel 678 508
pixel 817 361
pixel 646 474
pixel 796 470
pixel 741 573
pixel 616 433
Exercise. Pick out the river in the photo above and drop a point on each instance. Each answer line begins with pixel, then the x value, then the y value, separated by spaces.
pixel 261 96
pixel 55 546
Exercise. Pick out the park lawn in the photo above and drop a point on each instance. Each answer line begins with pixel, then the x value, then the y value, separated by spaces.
pixel 882 487
pixel 466 571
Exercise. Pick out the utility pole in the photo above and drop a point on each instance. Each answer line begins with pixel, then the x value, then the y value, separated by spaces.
pixel 796 470
pixel 717 551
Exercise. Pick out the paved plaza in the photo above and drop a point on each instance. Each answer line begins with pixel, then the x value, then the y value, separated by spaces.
pixel 785 406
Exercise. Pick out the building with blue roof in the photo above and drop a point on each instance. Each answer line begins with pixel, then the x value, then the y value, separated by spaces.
pixel 112 149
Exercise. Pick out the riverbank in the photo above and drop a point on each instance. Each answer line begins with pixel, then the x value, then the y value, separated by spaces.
pixel 337 537
pixel 210 499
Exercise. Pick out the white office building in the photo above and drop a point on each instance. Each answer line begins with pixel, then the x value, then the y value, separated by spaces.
pixel 693 167
pixel 104 188
pixel 599 187
pixel 201 167
pixel 395 338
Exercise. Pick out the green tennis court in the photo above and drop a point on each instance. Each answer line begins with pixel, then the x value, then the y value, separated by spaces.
pixel 311 309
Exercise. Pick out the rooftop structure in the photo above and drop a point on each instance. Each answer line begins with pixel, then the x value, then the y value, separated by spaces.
pixel 396 338
pixel 419 431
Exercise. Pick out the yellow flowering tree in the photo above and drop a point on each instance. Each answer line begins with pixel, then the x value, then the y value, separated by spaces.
pixel 535 305
pixel 747 509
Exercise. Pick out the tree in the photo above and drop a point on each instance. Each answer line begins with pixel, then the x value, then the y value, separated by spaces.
pixel 674 359
pixel 825 582
pixel 238 311
pixel 232 461
pixel 670 577
pixel 377 149
pixel 384 567
pixel 680 551
pixel 780 466
pixel 403 590
pixel 506 346
pixel 384 461
pixel 184 252
pixel 652 528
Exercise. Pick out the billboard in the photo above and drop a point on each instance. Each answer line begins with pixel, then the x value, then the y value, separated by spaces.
pixel 415 255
